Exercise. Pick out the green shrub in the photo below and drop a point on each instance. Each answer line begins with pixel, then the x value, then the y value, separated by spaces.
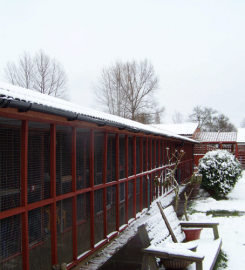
pixel 220 171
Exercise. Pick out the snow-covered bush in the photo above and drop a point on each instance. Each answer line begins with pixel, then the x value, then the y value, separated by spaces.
pixel 220 171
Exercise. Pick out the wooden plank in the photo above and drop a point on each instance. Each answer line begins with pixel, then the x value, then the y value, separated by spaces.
pixel 172 254
pixel 167 223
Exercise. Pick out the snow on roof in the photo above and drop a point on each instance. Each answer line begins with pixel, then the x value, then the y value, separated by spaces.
pixel 216 136
pixel 241 135
pixel 16 93
pixel 181 129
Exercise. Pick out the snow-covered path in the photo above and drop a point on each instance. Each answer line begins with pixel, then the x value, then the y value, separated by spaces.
pixel 231 229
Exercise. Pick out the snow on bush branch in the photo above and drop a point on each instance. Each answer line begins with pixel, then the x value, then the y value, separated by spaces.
pixel 220 170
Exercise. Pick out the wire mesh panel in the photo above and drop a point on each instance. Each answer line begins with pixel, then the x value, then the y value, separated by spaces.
pixel 144 192
pixel 63 160
pixel 130 199
pixel 83 223
pixel 153 159
pixel 64 231
pixel 10 145
pixel 122 219
pixel 111 158
pixel 111 208
pixel 138 195
pixel 160 151
pixel 98 215
pixel 39 238
pixel 130 156
pixel 98 157
pixel 38 162
pixel 156 154
pixel 121 156
pixel 138 155
pixel 10 246
pixel 149 156
pixel 144 152
pixel 82 158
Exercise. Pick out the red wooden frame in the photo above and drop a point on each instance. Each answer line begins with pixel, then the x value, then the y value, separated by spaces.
pixel 150 158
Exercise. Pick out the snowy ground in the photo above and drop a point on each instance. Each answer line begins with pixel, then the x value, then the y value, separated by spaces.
pixel 231 228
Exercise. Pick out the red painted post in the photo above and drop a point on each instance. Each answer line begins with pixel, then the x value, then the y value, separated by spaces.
pixel 117 184
pixel 53 193
pixel 141 170
pixel 104 181
pixel 134 173
pixel 154 166
pixel 159 165
pixel 74 199
pixel 91 175
pixel 150 162
pixel 126 176
pixel 146 169
pixel 236 146
pixel 24 194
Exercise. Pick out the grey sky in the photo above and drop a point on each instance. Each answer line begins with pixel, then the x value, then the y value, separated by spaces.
pixel 196 47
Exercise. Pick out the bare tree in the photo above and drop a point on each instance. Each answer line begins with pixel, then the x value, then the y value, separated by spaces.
pixel 209 120
pixel 127 89
pixel 243 123
pixel 203 116
pixel 177 118
pixel 40 73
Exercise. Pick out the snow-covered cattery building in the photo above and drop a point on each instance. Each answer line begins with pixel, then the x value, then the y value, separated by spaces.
pixel 72 177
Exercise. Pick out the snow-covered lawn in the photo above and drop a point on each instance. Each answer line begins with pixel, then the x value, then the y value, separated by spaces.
pixel 231 229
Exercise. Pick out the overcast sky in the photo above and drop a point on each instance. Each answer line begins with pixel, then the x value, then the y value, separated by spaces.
pixel 196 47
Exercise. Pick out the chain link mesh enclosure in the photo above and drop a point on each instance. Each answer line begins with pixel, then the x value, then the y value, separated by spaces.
pixel 62 190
